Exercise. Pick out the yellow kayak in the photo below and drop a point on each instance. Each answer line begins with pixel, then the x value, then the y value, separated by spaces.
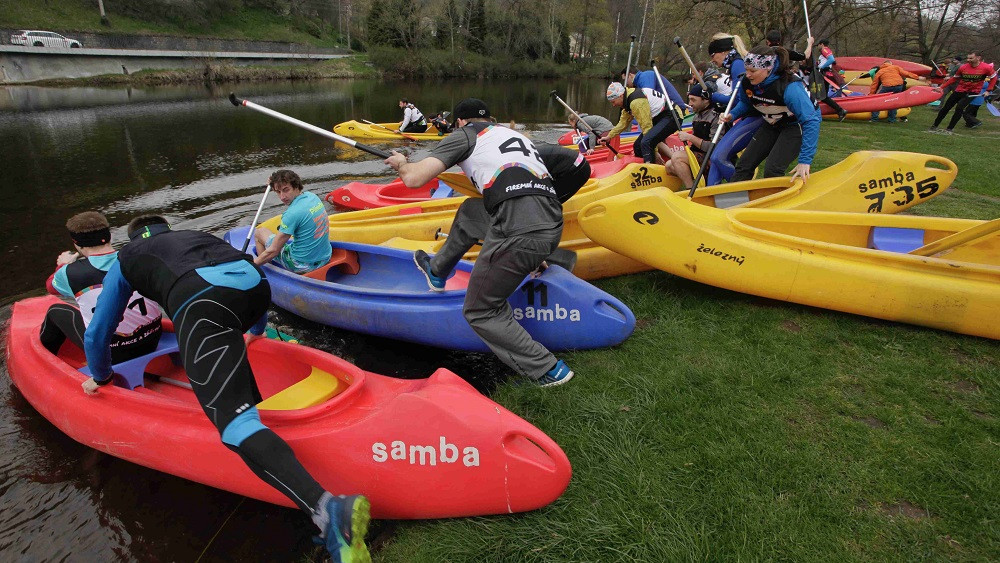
pixel 866 181
pixel 382 131
pixel 866 115
pixel 931 271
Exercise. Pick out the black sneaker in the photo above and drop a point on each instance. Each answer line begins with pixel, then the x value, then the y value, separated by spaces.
pixel 842 114
pixel 976 124
pixel 423 261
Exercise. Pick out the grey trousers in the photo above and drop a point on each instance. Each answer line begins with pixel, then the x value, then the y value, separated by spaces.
pixel 501 267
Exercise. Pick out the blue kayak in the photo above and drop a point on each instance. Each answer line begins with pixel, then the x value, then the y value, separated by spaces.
pixel 379 290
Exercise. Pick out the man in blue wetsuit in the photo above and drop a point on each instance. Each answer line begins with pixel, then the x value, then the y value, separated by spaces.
pixel 214 294
pixel 302 243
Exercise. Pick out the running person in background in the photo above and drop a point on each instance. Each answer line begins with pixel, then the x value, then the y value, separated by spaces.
pixel 792 118
pixel 413 119
pixel 706 122
pixel 971 113
pixel 302 242
pixel 214 294
pixel 80 276
pixel 969 78
pixel 598 124
pixel 727 53
pixel 646 106
pixel 774 40
pixel 525 227
pixel 889 79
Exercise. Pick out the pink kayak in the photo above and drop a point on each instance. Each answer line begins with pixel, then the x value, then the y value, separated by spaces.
pixel 359 195
pixel 866 63
pixel 916 96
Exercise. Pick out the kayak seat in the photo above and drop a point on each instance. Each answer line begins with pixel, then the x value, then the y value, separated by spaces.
pixel 344 260
pixel 130 374
pixel 318 387
pixel 895 239
pixel 442 191
pixel 731 199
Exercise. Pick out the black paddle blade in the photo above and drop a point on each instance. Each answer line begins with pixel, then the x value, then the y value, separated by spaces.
pixel 564 258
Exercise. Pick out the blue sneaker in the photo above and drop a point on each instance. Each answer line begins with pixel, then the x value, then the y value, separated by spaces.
pixel 423 261
pixel 557 375
pixel 344 535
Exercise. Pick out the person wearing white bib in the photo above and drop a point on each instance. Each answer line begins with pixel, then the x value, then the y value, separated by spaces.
pixel 80 276
pixel 525 225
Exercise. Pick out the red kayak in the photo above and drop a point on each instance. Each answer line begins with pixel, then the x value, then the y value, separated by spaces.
pixel 915 96
pixel 429 448
pixel 359 195
pixel 571 137
pixel 866 63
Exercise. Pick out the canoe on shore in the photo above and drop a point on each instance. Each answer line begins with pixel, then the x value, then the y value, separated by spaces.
pixel 353 430
pixel 866 181
pixel 930 271
pixel 379 290
pixel 867 63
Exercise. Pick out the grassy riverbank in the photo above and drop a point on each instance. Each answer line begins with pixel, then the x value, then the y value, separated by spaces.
pixel 738 428
pixel 80 15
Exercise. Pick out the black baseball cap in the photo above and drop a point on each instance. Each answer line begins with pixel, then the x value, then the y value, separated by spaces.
pixel 471 108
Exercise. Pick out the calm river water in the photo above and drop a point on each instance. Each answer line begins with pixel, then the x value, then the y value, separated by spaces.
pixel 187 153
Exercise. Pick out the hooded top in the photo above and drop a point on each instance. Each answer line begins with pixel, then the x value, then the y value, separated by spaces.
pixel 799 104
pixel 890 75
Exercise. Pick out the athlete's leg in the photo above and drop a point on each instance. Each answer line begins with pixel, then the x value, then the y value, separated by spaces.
pixel 500 268
pixel 785 150
pixel 468 228
pixel 946 107
pixel 659 132
pixel 758 150
pixel 959 110
pixel 730 144
pixel 210 332
pixel 970 115
pixel 62 321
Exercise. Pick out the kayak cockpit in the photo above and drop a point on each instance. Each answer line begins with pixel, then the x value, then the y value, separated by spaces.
pixel 285 382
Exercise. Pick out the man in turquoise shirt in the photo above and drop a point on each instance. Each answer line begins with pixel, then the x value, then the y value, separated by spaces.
pixel 302 243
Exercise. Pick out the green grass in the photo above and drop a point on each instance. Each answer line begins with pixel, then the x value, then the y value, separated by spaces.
pixel 731 427
pixel 78 15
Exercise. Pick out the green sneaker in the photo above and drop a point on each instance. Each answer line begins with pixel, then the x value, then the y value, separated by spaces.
pixel 344 535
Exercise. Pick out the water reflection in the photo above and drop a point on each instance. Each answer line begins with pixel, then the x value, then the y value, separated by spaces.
pixel 187 153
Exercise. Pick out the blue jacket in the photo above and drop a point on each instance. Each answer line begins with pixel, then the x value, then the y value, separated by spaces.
pixel 799 103
pixel 647 79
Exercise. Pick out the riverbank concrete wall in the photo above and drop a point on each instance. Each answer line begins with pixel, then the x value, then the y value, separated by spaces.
pixel 19 64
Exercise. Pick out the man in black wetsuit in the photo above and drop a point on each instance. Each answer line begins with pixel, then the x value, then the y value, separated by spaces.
pixel 214 294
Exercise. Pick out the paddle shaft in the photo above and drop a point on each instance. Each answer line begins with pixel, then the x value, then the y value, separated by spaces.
pixel 715 138
pixel 253 225
pixel 959 238
pixel 628 63
pixel 380 126
pixel 580 119
pixel 694 70
pixel 670 104
pixel 815 63
pixel 308 126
